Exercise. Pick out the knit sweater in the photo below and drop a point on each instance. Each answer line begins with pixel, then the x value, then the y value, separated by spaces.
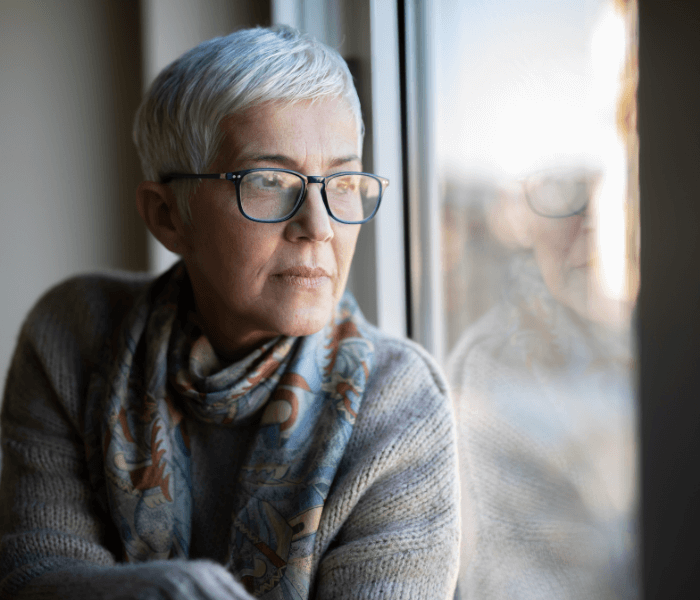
pixel 389 527
pixel 545 406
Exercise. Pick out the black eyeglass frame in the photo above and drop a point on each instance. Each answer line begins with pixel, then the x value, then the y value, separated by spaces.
pixel 564 215
pixel 237 176
pixel 592 177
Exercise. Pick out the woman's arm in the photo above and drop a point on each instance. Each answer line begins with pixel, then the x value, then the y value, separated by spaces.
pixel 395 506
pixel 56 541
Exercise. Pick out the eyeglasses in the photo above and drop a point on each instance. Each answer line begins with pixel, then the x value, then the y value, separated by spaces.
pixel 274 195
pixel 559 194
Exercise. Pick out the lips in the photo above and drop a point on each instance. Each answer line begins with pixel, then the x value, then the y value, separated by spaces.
pixel 302 271
pixel 303 276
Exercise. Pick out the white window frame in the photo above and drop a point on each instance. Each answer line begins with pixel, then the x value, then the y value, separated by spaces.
pixel 424 207
pixel 379 271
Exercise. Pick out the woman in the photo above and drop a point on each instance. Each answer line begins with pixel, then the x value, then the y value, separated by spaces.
pixel 546 403
pixel 234 427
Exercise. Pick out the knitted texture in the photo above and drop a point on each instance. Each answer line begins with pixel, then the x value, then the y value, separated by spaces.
pixel 300 396
pixel 389 527
pixel 545 406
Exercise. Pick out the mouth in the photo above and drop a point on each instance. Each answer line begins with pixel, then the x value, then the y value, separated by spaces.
pixel 303 277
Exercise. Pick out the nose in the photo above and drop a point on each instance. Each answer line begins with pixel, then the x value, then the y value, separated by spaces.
pixel 588 214
pixel 312 221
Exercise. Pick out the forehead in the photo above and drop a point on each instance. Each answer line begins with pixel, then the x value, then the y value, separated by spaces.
pixel 321 130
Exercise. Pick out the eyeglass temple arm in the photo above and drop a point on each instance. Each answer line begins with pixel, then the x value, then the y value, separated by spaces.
pixel 310 179
pixel 171 176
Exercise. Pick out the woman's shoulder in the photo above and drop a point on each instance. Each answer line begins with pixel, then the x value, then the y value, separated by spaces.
pixel 395 354
pixel 75 317
pixel 109 287
pixel 485 336
pixel 95 285
pixel 406 381
pixel 62 341
pixel 396 360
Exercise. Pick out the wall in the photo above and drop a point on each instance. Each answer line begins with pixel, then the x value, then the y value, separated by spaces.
pixel 171 27
pixel 70 82
pixel 71 77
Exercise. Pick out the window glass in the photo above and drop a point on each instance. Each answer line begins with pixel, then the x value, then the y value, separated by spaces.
pixel 537 164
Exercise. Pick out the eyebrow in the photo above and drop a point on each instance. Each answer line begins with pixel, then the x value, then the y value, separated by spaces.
pixel 288 162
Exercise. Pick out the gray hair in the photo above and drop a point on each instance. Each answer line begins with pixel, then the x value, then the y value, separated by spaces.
pixel 177 126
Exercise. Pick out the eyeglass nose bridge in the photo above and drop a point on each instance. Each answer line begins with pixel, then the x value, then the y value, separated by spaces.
pixel 314 179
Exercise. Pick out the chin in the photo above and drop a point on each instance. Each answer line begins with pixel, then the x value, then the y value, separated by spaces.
pixel 574 291
pixel 304 320
pixel 304 313
pixel 307 327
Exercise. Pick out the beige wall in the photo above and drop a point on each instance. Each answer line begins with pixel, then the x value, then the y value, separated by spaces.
pixel 71 75
pixel 170 27
pixel 69 83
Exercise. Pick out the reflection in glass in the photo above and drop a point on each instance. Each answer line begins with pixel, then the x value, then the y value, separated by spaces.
pixel 559 193
pixel 538 165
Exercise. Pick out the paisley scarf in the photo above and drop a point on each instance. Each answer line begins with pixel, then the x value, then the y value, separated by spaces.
pixel 302 394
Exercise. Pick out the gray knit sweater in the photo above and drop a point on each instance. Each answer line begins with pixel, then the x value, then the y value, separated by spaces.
pixel 545 406
pixel 389 529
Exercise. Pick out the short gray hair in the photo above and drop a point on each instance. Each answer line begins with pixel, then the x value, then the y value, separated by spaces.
pixel 177 125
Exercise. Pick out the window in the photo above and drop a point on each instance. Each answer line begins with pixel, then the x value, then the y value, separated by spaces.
pixel 524 262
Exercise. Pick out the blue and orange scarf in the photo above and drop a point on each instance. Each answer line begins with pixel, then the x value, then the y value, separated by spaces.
pixel 305 393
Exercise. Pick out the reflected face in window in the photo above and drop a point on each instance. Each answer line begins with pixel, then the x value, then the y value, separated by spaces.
pixel 563 249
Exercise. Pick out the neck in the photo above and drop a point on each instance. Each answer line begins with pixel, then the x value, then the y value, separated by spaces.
pixel 223 334
pixel 230 337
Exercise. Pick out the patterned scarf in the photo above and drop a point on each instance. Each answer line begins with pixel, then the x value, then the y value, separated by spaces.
pixel 302 394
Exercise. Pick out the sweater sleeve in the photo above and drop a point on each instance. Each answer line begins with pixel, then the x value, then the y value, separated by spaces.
pixel 392 519
pixel 56 540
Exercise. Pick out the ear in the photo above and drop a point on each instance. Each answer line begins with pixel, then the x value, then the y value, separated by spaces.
pixel 158 208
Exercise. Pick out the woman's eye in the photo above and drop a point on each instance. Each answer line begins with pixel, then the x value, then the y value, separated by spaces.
pixel 346 185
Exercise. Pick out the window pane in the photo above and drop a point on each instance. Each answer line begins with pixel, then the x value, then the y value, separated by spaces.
pixel 537 155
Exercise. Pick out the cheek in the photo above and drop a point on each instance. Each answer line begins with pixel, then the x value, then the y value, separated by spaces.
pixel 555 237
pixel 230 249
pixel 344 248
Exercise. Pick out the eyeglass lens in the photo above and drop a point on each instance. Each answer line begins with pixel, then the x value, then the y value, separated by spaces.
pixel 272 195
pixel 559 196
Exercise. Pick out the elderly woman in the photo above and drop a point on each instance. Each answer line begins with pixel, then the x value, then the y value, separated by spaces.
pixel 235 426
pixel 547 397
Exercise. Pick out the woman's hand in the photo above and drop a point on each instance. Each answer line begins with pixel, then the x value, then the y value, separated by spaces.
pixel 156 580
